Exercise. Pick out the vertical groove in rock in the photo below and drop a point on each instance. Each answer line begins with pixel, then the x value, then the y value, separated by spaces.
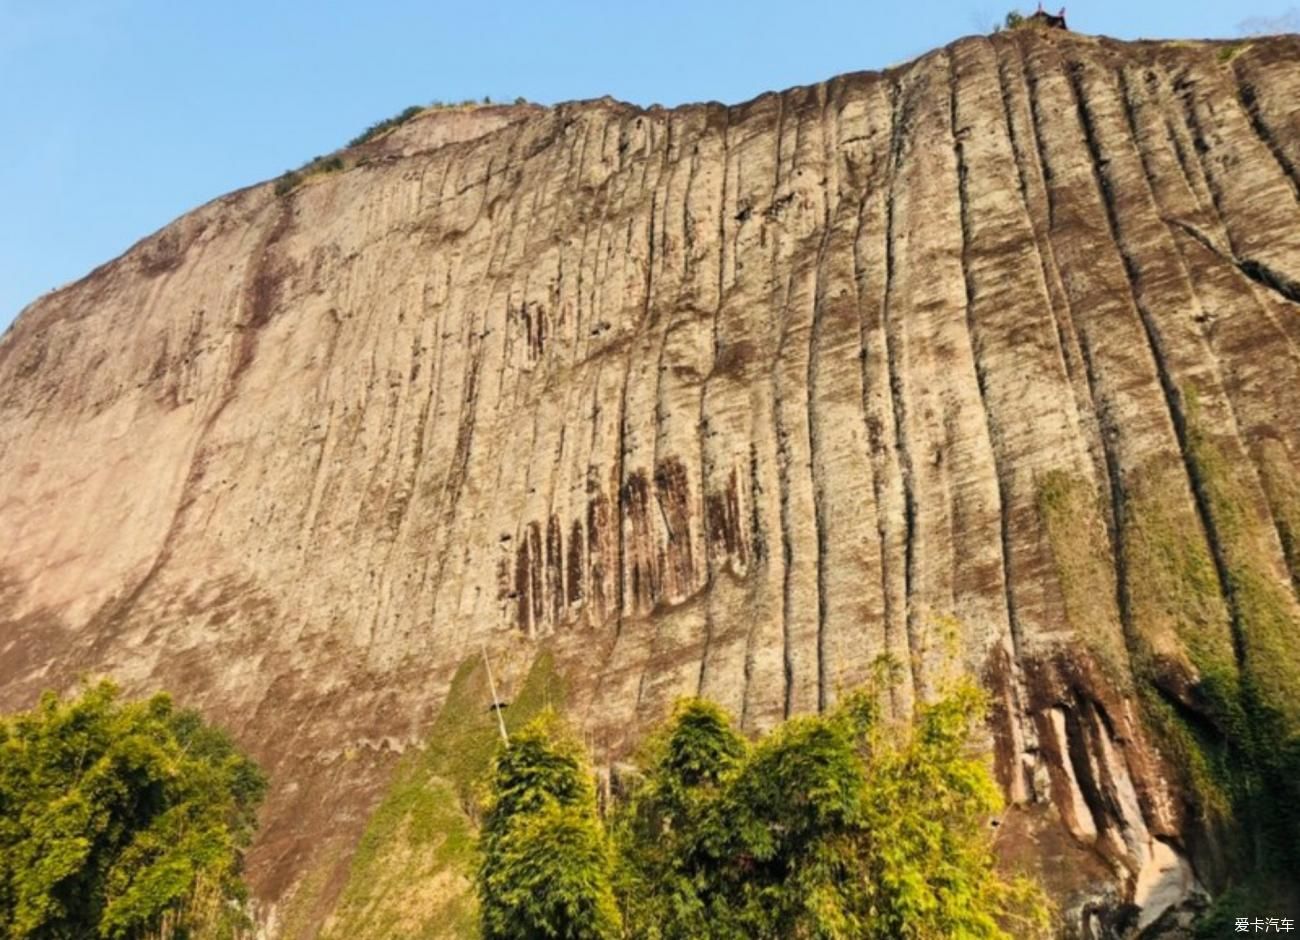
pixel 787 539
pixel 894 372
pixel 1249 100
pixel 815 447
pixel 972 336
pixel 708 463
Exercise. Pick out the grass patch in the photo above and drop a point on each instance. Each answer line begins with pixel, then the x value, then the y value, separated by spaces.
pixel 386 125
pixel 1282 487
pixel 412 872
pixel 1071 513
pixel 304 903
pixel 1267 622
pixel 1175 599
pixel 1177 614
pixel 291 180
pixel 1266 608
pixel 1214 779
pixel 1229 52
pixel 1230 723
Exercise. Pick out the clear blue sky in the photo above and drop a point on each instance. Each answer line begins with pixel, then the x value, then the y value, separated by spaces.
pixel 119 115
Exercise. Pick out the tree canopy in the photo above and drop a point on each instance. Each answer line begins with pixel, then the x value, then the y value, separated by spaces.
pixel 841 825
pixel 121 819
pixel 546 863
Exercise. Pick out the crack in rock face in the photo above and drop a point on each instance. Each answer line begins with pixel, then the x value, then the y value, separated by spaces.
pixel 989 362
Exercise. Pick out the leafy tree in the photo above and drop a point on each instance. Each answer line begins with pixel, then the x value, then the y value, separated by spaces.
pixel 834 826
pixel 121 820
pixel 546 864
pixel 667 834
pixel 929 861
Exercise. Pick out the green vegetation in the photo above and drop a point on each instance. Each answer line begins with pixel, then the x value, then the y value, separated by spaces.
pixel 1230 51
pixel 290 180
pixel 387 124
pixel 287 182
pixel 412 873
pixel 1282 486
pixel 834 826
pixel 121 820
pixel 1213 619
pixel 546 860
pixel 1266 734
pixel 1076 531
pixel 397 120
pixel 1177 615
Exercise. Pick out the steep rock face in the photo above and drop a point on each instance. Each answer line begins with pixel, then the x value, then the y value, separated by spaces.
pixel 989 362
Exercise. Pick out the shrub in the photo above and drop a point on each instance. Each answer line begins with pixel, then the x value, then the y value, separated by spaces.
pixel 287 182
pixel 1230 51
pixel 292 179
pixel 380 127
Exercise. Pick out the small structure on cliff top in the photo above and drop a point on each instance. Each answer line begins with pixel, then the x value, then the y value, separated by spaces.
pixel 1041 17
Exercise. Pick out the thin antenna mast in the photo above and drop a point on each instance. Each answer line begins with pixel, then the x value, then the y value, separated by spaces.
pixel 496 704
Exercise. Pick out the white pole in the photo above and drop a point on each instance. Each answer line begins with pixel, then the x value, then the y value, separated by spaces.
pixel 496 705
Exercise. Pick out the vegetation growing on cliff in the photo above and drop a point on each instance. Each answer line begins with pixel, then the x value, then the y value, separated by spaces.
pixel 1208 621
pixel 546 859
pixel 290 180
pixel 387 124
pixel 121 819
pixel 840 825
pixel 412 870
pixel 1264 739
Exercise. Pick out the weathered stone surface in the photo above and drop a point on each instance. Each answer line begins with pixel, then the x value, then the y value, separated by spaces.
pixel 996 354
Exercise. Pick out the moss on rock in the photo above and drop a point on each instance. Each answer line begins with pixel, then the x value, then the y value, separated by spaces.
pixel 412 872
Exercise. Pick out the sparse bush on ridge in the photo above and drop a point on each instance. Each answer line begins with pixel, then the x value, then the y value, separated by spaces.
pixel 288 181
pixel 1230 51
pixel 379 127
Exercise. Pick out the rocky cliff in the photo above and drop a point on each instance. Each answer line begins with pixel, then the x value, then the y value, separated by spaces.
pixel 990 361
